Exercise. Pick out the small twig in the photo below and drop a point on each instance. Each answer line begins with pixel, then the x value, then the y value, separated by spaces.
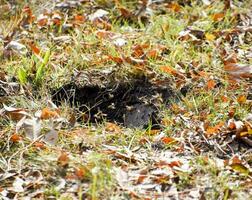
pixel 230 148
pixel 219 147
pixel 191 145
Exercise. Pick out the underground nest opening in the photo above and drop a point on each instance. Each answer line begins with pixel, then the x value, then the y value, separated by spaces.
pixel 132 103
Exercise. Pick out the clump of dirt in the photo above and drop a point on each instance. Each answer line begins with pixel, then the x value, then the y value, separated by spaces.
pixel 133 102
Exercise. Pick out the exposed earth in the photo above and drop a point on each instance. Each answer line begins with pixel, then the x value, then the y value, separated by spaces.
pixel 133 102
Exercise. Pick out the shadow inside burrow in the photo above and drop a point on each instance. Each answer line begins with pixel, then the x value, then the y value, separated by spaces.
pixel 132 103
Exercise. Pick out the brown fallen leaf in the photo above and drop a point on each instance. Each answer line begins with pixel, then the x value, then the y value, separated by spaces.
pixel 34 48
pixel 174 6
pixel 168 70
pixel 117 60
pixel 210 84
pixel 152 54
pixel 80 172
pixel 112 127
pixel 15 138
pixel 237 71
pixel 79 19
pixel 241 99
pixel 39 145
pixel 48 113
pixel 126 14
pixel 63 159
pixel 168 140
pixel 13 113
pixel 141 178
pixel 105 34
pixel 217 16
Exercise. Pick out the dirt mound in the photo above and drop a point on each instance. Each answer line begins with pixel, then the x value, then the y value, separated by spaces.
pixel 132 102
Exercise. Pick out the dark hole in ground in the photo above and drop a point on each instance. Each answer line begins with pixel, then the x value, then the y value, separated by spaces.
pixel 132 103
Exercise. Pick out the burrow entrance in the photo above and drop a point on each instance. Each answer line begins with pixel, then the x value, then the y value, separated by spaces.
pixel 133 102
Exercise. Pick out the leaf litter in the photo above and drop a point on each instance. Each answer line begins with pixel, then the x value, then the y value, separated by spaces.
pixel 149 100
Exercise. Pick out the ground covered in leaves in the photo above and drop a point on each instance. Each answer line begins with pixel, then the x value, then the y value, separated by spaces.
pixel 125 99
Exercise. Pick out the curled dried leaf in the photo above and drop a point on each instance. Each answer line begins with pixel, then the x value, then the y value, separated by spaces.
pixel 218 16
pixel 63 159
pixel 111 127
pixel 15 138
pixel 48 113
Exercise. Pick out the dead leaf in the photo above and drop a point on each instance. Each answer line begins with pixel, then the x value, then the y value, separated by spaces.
pixel 13 113
pixel 138 51
pixel 202 73
pixel 171 164
pixel 153 131
pixel 211 84
pixel 15 138
pixel 211 131
pixel 168 70
pixel 42 20
pixel 217 16
pixel 206 2
pixel 100 13
pixel 238 71
pixel 236 160
pixel 126 13
pixel 117 60
pixel 63 159
pixel 34 48
pixel 119 42
pixel 168 140
pixel 224 99
pixel 51 137
pixel 39 145
pixel 48 113
pixel 152 54
pixel 134 61
pixel 80 172
pixel 31 127
pixel 174 6
pixel 143 141
pixel 79 19
pixel 175 164
pixel 240 168
pixel 141 178
pixel 111 127
pixel 210 37
pixel 105 34
pixel 231 112
pixel 231 126
pixel 237 126
pixel 18 185
pixel 241 99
